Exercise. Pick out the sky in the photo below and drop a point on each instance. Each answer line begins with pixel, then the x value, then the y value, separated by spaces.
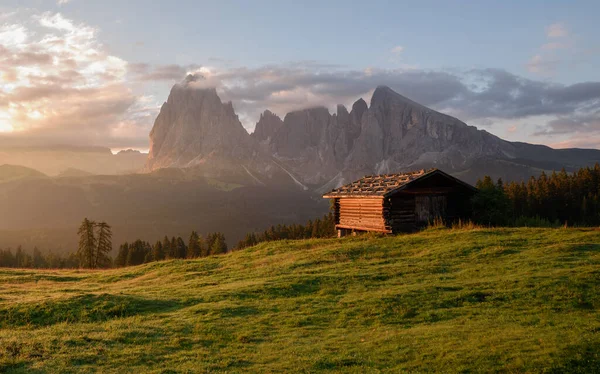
pixel 95 72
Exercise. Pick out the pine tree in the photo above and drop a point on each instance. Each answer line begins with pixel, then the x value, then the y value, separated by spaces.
pixel 193 249
pixel 166 247
pixel 38 259
pixel 104 246
pixel 19 257
pixel 218 246
pixel 87 244
pixel 123 255
pixel 173 248
pixel 181 248
pixel 158 254
pixel 210 239
pixel 148 257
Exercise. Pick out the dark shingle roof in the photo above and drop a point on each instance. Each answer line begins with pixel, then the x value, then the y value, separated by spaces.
pixel 377 185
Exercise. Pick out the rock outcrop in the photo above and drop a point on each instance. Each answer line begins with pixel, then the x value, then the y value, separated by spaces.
pixel 267 126
pixel 194 127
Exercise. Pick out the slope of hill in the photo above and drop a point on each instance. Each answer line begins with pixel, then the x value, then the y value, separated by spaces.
pixel 488 300
pixel 12 172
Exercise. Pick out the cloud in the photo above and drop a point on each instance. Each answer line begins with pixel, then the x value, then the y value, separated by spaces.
pixel 541 64
pixel 553 46
pixel 146 72
pixel 547 58
pixel 63 2
pixel 58 83
pixel 397 50
pixel 556 30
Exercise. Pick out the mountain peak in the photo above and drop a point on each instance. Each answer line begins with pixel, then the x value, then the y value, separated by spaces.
pixel 384 93
pixel 266 127
pixel 193 125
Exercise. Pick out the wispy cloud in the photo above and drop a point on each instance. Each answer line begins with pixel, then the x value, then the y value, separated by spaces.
pixel 397 50
pixel 541 64
pixel 547 59
pixel 556 30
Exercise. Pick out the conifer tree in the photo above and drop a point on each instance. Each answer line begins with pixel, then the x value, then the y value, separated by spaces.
pixel 19 257
pixel 38 259
pixel 218 246
pixel 166 247
pixel 173 248
pixel 87 244
pixel 104 246
pixel 158 254
pixel 123 255
pixel 181 248
pixel 194 248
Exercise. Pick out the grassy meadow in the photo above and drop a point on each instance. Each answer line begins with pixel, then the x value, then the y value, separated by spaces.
pixel 482 300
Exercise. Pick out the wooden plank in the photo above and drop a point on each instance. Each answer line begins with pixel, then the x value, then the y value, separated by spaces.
pixel 362 228
pixel 350 196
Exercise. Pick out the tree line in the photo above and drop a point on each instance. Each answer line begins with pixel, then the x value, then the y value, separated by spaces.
pixel 20 258
pixel 558 199
pixel 319 228
pixel 141 252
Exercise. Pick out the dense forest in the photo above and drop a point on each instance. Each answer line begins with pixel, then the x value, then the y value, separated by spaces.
pixel 570 199
pixel 558 199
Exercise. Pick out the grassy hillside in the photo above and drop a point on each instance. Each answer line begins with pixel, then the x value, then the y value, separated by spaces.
pixel 511 300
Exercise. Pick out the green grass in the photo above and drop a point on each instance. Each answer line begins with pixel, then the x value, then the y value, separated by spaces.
pixel 484 300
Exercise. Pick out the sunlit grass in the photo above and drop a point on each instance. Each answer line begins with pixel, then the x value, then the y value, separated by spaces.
pixel 449 300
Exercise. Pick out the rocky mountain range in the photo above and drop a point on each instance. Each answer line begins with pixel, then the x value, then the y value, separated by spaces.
pixel 319 150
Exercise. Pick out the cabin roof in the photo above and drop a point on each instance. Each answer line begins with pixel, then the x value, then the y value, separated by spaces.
pixel 385 184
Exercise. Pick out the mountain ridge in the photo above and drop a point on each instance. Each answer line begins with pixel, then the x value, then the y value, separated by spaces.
pixel 321 150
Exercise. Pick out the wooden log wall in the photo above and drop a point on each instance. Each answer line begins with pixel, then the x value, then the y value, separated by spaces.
pixel 363 214
pixel 401 213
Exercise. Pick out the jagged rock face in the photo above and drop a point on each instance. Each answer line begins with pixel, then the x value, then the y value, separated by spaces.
pixel 268 124
pixel 323 150
pixel 398 133
pixel 194 126
pixel 314 144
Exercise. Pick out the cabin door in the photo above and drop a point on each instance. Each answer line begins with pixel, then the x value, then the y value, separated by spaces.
pixel 430 207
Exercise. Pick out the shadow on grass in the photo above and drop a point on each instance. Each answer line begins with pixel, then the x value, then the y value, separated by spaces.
pixel 18 367
pixel 583 358
pixel 26 277
pixel 82 309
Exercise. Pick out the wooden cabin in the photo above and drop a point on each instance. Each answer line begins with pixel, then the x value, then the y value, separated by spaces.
pixel 394 203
